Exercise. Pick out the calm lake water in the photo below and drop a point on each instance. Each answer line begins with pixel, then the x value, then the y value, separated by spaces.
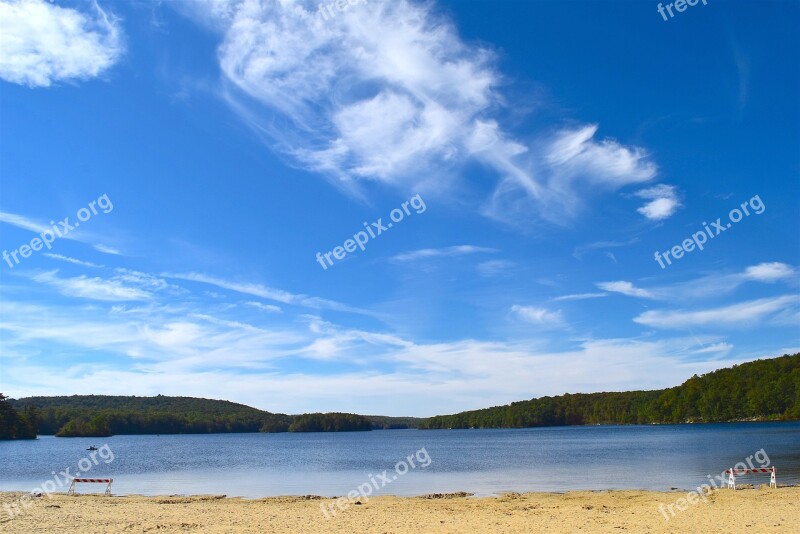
pixel 483 462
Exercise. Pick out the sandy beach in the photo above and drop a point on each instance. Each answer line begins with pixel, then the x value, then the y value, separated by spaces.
pixel 753 510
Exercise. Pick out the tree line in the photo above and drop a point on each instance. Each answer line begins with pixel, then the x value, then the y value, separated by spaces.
pixel 101 415
pixel 17 424
pixel 759 390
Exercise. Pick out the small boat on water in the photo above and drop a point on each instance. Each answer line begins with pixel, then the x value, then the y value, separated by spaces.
pixel 92 448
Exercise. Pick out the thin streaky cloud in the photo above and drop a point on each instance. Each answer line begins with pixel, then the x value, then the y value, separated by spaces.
pixel 720 347
pixel 107 250
pixel 75 261
pixel 581 296
pixel 278 295
pixel 743 314
pixel 264 307
pixel 446 252
pixel 716 284
pixel 31 225
pixel 93 288
pixel 626 288
pixel 25 223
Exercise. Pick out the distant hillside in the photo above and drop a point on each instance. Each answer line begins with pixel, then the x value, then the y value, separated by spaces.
pixel 105 415
pixel 383 422
pixel 755 391
pixel 759 390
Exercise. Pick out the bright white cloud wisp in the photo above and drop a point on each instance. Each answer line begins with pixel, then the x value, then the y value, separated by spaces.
pixel 743 314
pixel 626 288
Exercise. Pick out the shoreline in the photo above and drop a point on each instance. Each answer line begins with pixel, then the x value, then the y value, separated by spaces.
pixel 759 510
pixel 683 423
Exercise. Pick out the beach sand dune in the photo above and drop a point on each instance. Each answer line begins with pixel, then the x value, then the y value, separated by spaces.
pixel 757 510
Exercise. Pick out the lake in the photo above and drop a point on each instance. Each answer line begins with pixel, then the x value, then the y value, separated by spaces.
pixel 483 462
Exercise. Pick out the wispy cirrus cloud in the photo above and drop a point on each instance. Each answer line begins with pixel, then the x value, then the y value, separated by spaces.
pixel 271 308
pixel 42 43
pixel 259 290
pixel 390 93
pixel 744 314
pixel 445 252
pixel 96 288
pixel 716 348
pixel 36 227
pixel 626 288
pixel 107 250
pixel 74 261
pixel 176 351
pixel 581 296
pixel 716 284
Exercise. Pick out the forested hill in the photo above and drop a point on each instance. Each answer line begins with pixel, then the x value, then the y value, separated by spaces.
pixel 105 415
pixel 759 390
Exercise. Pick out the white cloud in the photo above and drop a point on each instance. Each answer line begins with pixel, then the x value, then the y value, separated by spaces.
pixel 107 250
pixel 36 227
pixel 177 350
pixel 42 43
pixel 92 288
pixel 720 347
pixel 626 288
pixel 258 290
pixel 716 284
pixel 769 272
pixel 428 253
pixel 144 280
pixel 744 314
pixel 264 307
pixel 557 178
pixel 179 353
pixel 176 335
pixel 581 296
pixel 664 202
pixel 720 283
pixel 575 153
pixel 75 261
pixel 538 316
pixel 162 339
pixel 389 92
pixel 23 222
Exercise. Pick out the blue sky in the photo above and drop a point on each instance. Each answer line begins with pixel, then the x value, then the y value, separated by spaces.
pixel 556 147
